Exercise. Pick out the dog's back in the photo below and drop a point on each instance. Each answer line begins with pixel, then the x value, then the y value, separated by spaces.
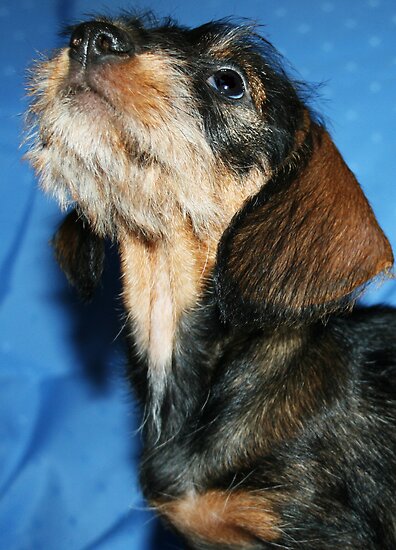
pixel 340 470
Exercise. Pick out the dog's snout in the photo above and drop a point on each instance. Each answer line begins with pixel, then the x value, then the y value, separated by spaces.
pixel 98 41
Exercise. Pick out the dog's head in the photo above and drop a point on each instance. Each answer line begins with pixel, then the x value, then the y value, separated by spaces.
pixel 143 126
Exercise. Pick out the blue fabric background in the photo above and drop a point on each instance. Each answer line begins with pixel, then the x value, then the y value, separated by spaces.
pixel 68 429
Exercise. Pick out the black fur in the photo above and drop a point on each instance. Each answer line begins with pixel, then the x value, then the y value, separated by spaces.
pixel 80 253
pixel 337 473
pixel 303 412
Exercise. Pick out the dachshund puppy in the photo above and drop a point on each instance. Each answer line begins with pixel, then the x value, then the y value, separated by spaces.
pixel 269 401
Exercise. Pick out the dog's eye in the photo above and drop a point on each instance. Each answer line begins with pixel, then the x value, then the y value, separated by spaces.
pixel 228 83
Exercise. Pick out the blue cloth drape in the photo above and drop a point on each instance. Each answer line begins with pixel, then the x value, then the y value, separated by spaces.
pixel 68 428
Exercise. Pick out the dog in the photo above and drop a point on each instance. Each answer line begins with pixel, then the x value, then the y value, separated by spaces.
pixel 268 397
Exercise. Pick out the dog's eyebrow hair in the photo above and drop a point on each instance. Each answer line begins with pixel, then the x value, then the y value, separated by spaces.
pixel 268 398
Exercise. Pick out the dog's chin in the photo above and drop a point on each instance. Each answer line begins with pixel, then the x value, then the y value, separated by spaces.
pixel 89 102
pixel 85 110
pixel 84 161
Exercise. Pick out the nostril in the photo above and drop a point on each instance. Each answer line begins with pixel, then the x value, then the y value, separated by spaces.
pixel 112 43
pixel 104 43
pixel 94 42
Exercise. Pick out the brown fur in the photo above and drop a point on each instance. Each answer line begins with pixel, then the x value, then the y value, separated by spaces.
pixel 204 240
pixel 224 518
pixel 184 262
pixel 322 219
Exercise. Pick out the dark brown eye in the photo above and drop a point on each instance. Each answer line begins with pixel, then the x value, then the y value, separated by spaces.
pixel 228 83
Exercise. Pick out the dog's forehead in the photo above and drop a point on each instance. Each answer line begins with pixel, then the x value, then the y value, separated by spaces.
pixel 220 40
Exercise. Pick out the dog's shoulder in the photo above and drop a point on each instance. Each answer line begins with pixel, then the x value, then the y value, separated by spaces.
pixel 367 338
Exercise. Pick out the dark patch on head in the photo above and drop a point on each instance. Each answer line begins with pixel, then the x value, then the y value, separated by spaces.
pixel 244 133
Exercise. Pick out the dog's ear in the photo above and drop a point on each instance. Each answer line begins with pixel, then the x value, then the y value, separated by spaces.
pixel 302 246
pixel 80 253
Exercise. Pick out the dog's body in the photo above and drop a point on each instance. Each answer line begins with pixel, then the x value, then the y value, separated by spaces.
pixel 269 405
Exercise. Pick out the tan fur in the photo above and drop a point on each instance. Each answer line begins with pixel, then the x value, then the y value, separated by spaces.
pixel 257 89
pixel 224 518
pixel 164 277
pixel 161 279
pixel 132 153
pixel 127 145
pixel 125 141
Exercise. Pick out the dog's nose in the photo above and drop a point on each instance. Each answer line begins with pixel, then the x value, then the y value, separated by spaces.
pixel 98 41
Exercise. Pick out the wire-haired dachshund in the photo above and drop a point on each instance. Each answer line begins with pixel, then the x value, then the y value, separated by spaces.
pixel 269 400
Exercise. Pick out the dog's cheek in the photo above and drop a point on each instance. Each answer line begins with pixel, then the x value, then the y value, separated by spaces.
pixel 233 132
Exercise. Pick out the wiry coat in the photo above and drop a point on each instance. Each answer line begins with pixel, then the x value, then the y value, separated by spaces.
pixel 269 402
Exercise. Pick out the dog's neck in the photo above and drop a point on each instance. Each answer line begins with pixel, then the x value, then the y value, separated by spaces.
pixel 162 280
pixel 180 341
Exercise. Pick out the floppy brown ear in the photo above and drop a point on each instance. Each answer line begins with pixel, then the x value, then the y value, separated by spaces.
pixel 80 253
pixel 303 245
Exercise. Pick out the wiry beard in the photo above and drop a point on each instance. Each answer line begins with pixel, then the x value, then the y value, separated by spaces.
pixel 120 171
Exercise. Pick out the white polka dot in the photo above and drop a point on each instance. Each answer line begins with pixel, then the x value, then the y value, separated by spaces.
pixel 375 41
pixel 327 46
pixel 303 28
pixel 351 66
pixel 6 347
pixel 281 12
pixel 328 7
pixel 351 115
pixel 375 87
pixel 376 137
pixel 350 23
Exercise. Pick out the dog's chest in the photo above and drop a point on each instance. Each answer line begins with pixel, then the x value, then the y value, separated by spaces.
pixel 161 281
